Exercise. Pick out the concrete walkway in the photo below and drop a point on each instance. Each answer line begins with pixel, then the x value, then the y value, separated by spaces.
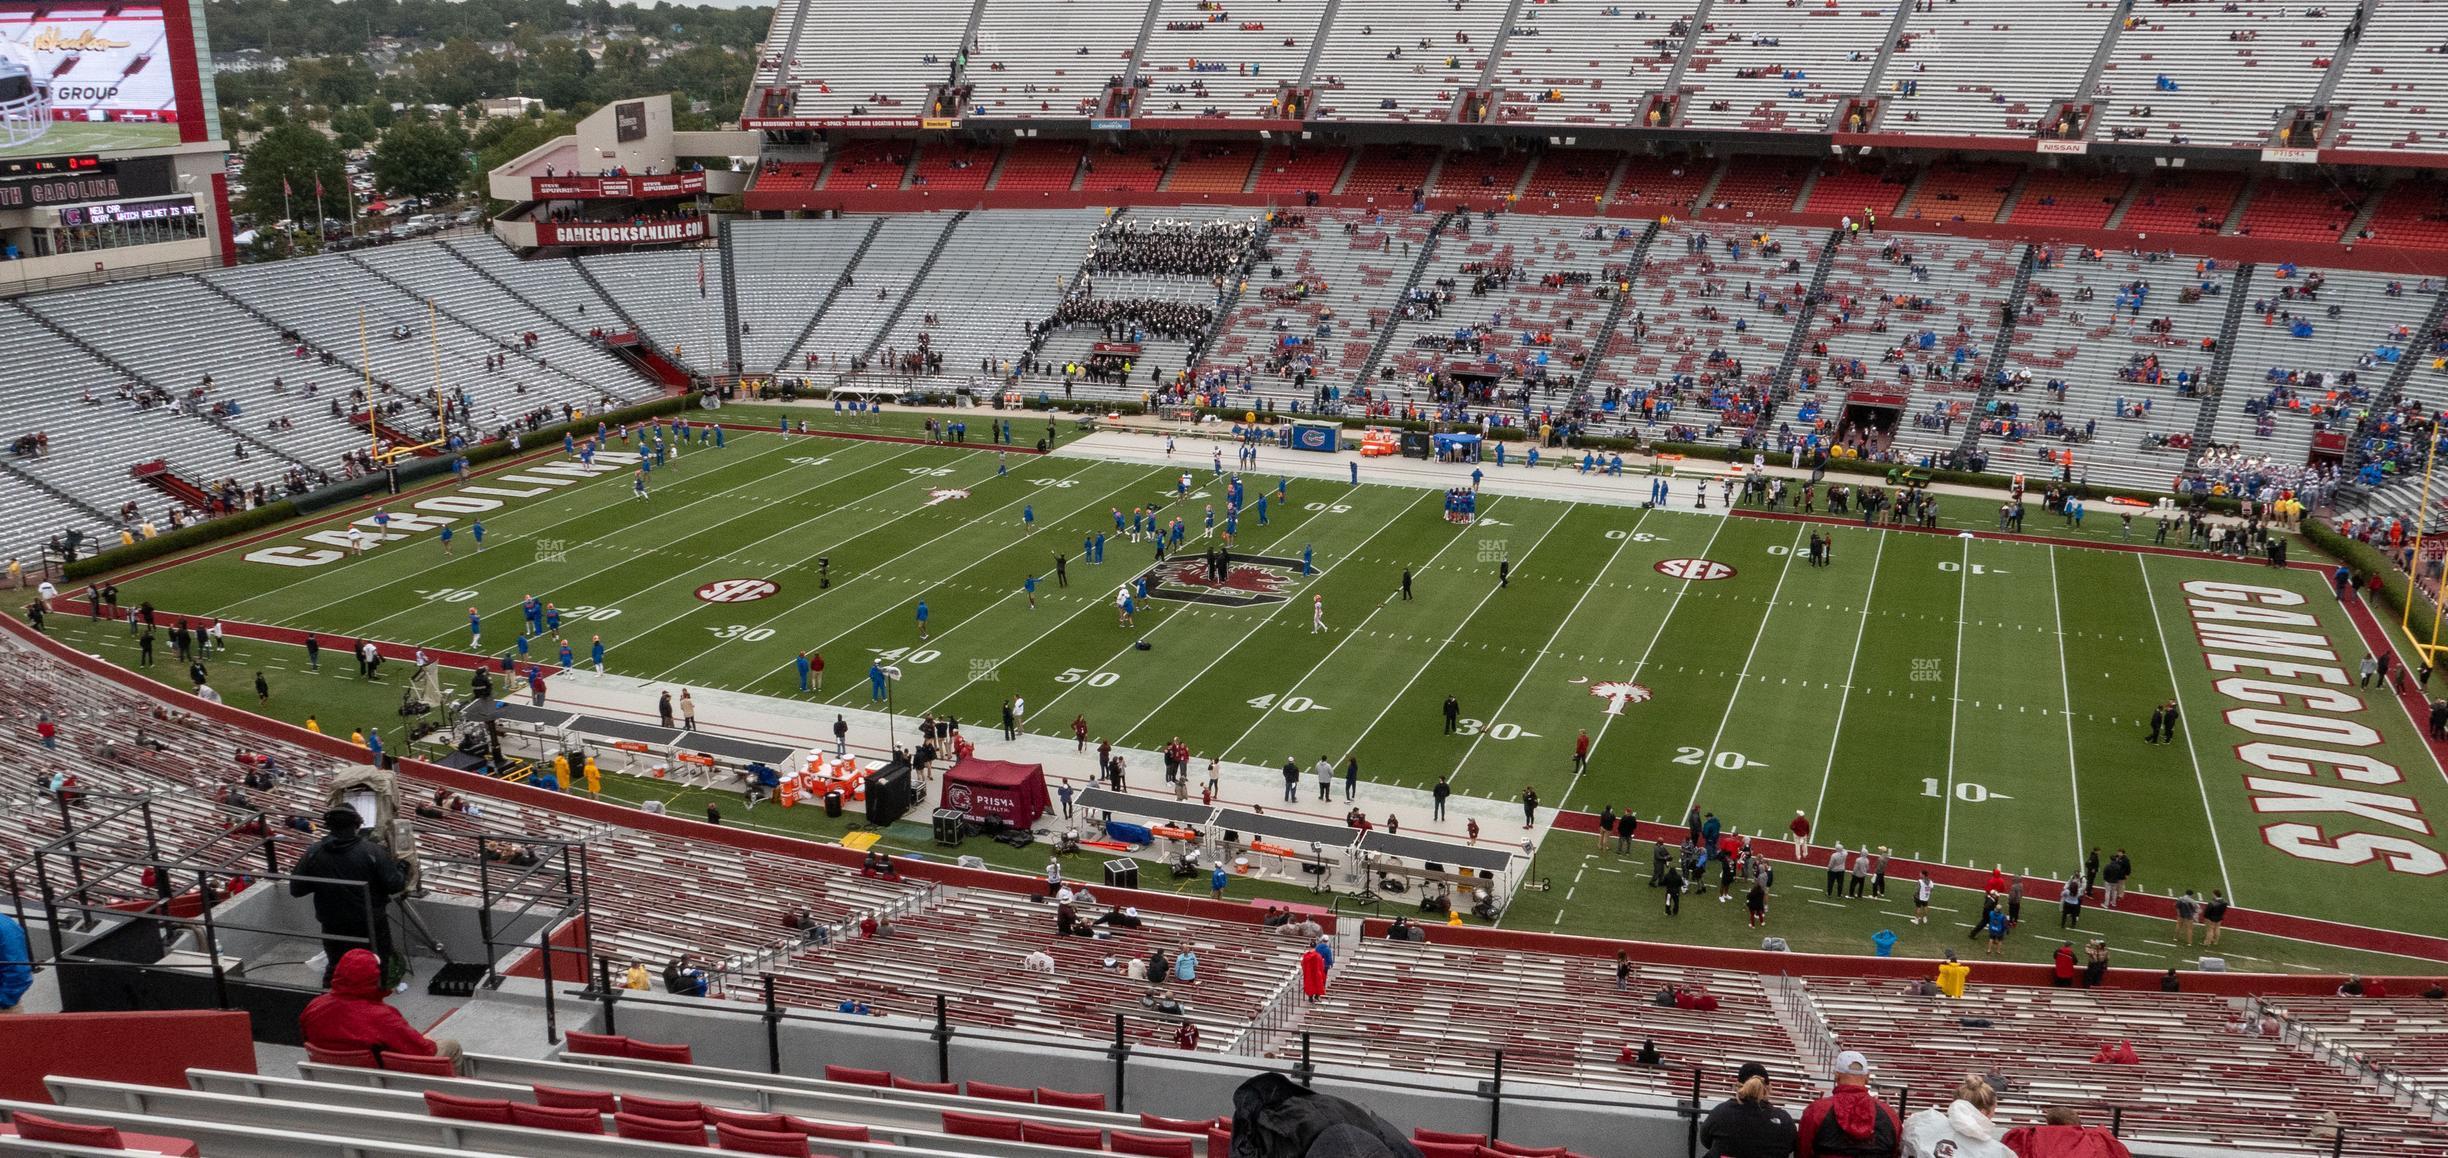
pixel 1125 438
pixel 804 724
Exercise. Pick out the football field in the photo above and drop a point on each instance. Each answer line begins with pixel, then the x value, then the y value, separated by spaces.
pixel 1972 700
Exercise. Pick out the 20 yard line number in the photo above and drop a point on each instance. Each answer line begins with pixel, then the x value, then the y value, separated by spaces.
pixel 1722 761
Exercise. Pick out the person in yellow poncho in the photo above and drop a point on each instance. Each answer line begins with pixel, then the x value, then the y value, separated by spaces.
pixel 594 778
pixel 1951 976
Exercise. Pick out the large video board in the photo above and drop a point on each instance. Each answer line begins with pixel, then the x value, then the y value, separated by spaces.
pixel 87 78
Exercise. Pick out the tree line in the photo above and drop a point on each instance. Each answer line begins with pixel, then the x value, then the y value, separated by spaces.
pixel 343 27
pixel 299 119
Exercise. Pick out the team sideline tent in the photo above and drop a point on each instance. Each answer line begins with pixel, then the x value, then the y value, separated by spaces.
pixel 994 789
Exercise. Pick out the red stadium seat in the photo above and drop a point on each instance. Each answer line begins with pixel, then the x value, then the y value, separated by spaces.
pixel 902 1083
pixel 1446 1149
pixel 604 1044
pixel 743 1141
pixel 1445 1136
pixel 658 1130
pixel 592 1101
pixel 662 1110
pixel 857 1077
pixel 655 1051
pixel 1072 1137
pixel 1176 1125
pixel 748 1119
pixel 431 1065
pixel 829 1131
pixel 1503 1147
pixel 360 1058
pixel 1002 1093
pixel 1069 1101
pixel 35 1128
pixel 571 1120
pixel 1152 1145
pixel 981 1126
pixel 442 1105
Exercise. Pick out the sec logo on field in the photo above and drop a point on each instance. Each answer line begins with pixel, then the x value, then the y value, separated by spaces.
pixel 1695 569
pixel 736 590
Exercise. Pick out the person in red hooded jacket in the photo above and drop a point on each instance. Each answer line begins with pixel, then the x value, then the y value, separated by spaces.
pixel 353 1015
pixel 1313 974
pixel 1850 1122
pixel 2064 1136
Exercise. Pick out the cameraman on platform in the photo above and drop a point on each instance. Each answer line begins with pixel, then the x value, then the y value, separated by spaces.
pixel 343 910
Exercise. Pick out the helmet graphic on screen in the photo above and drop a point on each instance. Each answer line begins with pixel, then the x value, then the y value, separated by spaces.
pixel 25 103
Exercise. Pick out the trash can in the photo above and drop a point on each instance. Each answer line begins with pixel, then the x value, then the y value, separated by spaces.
pixel 833 801
pixel 1884 941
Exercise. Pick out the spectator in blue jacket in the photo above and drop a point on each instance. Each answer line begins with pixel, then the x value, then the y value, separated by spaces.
pixel 16 973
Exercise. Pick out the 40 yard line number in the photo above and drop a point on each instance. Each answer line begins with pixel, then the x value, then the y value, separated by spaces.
pixel 1269 702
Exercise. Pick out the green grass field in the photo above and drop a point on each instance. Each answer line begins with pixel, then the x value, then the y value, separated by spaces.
pixel 96 137
pixel 1974 701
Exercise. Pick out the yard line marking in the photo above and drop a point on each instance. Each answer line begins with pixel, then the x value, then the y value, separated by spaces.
pixel 1609 721
pixel 1269 617
pixel 1963 598
pixel 1790 551
pixel 1845 698
pixel 1094 602
pixel 2192 749
pixel 2065 687
pixel 1024 498
pixel 845 696
pixel 666 578
pixel 574 489
pixel 512 607
pixel 1558 633
pixel 1459 626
